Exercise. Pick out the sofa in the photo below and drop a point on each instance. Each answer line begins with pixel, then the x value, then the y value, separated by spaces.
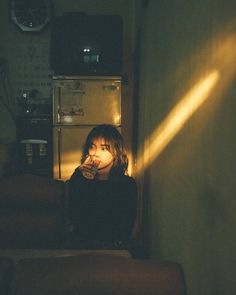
pixel 34 214
pixel 91 274
pixel 34 219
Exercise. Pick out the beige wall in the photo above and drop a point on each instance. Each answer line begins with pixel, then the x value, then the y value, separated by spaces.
pixel 189 188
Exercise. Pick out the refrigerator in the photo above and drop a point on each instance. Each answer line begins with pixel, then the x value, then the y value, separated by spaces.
pixel 79 104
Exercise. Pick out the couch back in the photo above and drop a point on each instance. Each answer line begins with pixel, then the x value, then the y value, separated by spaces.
pixel 32 212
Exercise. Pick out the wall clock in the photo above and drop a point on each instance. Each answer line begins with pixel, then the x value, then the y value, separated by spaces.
pixel 30 15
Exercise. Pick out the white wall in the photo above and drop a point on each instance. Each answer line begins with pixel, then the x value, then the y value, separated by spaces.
pixel 189 188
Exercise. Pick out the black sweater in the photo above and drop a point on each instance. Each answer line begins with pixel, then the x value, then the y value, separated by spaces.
pixel 103 210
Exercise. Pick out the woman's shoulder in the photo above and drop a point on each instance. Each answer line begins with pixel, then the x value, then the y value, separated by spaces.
pixel 129 178
pixel 76 175
pixel 126 179
pixel 129 186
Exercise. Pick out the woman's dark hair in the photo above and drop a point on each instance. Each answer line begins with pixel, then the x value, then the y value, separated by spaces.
pixel 115 144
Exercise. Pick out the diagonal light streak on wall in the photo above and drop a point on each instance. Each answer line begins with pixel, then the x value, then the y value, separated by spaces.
pixel 176 119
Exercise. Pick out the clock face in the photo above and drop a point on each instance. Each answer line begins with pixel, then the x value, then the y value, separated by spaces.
pixel 30 15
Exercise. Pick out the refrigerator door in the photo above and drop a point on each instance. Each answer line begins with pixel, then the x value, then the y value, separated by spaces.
pixel 87 100
pixel 68 143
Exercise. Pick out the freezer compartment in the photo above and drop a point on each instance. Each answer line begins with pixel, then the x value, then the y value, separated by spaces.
pixel 87 100
pixel 68 143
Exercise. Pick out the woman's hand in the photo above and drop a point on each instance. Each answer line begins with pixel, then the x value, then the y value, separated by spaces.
pixel 90 167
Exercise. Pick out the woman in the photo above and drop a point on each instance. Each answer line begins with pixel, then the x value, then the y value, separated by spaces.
pixel 103 203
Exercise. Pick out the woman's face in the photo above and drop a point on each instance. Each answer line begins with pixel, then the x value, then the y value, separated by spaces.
pixel 100 150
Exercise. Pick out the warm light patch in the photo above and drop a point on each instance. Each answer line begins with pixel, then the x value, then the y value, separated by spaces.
pixel 130 166
pixel 176 119
pixel 69 162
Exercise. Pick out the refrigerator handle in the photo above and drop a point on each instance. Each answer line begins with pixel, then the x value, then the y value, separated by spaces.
pixel 59 151
pixel 59 106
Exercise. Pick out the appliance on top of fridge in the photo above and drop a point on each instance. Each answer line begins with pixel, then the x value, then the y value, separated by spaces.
pixel 79 104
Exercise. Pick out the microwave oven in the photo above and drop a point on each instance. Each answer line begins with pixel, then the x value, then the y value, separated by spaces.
pixel 84 44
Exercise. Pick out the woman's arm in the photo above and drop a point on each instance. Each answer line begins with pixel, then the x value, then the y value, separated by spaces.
pixel 129 211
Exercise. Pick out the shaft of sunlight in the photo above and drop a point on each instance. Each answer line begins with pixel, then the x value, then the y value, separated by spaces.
pixel 176 119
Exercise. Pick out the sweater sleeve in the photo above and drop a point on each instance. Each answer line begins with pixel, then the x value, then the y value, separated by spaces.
pixel 75 184
pixel 129 212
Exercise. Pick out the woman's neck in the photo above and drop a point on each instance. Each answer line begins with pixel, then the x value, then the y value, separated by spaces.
pixel 102 176
pixel 104 173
